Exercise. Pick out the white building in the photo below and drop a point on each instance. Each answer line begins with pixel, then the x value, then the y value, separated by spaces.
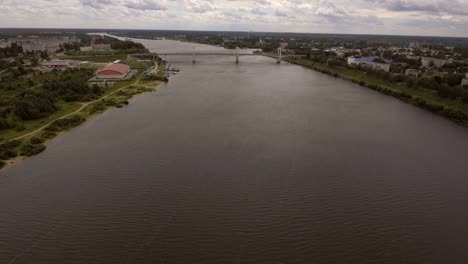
pixel 369 62
pixel 438 63
pixel 465 80
pixel 59 64
pixel 48 44
pixel 4 43
pixel 412 72
pixel 86 49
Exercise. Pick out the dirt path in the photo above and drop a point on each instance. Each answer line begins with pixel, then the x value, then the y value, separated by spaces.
pixel 83 106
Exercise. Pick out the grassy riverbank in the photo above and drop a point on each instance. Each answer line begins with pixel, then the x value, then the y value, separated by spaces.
pixel 32 141
pixel 453 109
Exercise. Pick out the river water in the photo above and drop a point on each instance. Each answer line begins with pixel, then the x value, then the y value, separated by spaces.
pixel 248 163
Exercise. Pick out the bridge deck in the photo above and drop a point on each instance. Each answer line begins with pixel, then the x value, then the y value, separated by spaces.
pixel 196 54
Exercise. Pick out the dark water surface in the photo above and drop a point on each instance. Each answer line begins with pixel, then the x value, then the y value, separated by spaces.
pixel 249 163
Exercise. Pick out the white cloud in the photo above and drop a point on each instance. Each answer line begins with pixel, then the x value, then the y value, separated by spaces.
pixel 427 17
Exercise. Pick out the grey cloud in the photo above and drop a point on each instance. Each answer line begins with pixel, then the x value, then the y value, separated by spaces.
pixel 146 5
pixel 97 4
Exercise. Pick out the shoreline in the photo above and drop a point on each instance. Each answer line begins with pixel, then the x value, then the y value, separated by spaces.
pixel 15 161
pixel 439 108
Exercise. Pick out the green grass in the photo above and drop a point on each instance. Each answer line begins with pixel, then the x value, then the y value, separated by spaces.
pixel 29 126
pixel 34 143
pixel 425 98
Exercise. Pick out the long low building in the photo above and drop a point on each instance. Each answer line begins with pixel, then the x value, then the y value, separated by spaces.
pixel 369 62
pixel 438 63
pixel 60 64
pixel 113 71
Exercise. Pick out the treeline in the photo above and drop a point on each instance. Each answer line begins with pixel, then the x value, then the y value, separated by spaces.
pixel 72 85
pixel 127 45
pixel 438 108
pixel 116 44
pixel 446 86
pixel 11 51
pixel 38 96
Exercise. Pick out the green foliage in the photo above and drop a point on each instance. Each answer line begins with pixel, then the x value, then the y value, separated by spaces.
pixel 32 104
pixel 65 123
pixel 447 107
pixel 8 149
pixel 48 135
pixel 11 51
pixel 155 77
pixel 31 150
pixel 72 85
pixel 465 97
pixel 36 140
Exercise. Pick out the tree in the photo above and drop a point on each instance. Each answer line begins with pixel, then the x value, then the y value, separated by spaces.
pixel 464 96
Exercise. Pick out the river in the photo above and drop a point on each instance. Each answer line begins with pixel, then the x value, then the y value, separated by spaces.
pixel 248 163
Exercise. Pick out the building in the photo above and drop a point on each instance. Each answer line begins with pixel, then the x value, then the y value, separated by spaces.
pixel 284 45
pixel 435 62
pixel 59 64
pixel 86 49
pixel 340 51
pixel 357 60
pixel 4 44
pixel 113 71
pixel 412 72
pixel 8 60
pixel 48 44
pixel 465 80
pixel 101 47
pixel 369 62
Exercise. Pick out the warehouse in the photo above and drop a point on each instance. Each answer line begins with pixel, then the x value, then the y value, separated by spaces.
pixel 114 71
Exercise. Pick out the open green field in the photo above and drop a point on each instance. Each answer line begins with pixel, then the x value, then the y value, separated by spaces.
pixel 454 109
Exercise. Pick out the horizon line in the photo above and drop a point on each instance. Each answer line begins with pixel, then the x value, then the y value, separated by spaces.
pixel 235 31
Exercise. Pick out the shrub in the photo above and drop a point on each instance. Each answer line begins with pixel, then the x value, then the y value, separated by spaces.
pixel 48 135
pixel 65 123
pixel 465 97
pixel 8 154
pixel 10 145
pixel 36 140
pixel 31 150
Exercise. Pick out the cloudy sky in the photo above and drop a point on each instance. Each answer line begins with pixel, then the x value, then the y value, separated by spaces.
pixel 403 17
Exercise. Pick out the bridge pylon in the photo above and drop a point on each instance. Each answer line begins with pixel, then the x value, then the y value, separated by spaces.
pixel 279 55
pixel 193 56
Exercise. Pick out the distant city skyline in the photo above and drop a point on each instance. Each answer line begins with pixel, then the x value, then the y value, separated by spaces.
pixel 392 17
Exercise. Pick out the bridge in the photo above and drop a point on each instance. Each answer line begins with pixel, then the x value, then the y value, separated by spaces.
pixel 195 54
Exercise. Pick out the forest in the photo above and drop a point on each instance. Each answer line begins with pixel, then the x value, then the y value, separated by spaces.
pixel 38 97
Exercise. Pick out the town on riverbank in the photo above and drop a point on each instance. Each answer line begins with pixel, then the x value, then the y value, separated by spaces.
pixel 51 83
pixel 429 72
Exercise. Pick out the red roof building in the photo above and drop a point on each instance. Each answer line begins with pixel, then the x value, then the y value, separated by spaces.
pixel 113 71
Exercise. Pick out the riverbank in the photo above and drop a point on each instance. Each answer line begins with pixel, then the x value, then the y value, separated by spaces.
pixel 35 142
pixel 452 109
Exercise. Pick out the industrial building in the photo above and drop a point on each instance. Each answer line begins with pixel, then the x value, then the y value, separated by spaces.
pixel 429 62
pixel 60 64
pixel 113 71
pixel 369 62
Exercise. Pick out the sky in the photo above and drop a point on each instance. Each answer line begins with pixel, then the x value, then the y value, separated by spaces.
pixel 394 17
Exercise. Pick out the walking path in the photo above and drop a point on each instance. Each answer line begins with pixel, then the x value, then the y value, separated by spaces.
pixel 83 106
